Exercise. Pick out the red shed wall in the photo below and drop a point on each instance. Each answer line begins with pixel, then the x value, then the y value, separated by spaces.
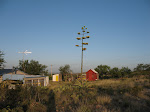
pixel 91 76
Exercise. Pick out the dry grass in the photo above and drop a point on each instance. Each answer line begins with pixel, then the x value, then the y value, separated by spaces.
pixel 105 82
pixel 107 95
pixel 103 99
pixel 53 85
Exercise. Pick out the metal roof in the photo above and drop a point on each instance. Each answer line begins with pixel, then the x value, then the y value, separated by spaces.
pixel 5 71
pixel 9 71
pixel 19 76
pixel 94 71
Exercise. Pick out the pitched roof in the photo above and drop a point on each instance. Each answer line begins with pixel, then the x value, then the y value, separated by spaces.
pixel 5 71
pixel 94 71
pixel 13 71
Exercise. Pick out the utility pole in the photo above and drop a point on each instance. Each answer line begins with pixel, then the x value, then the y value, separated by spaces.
pixel 51 70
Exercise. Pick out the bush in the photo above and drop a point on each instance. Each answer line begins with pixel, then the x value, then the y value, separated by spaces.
pixel 112 95
pixel 83 108
pixel 103 99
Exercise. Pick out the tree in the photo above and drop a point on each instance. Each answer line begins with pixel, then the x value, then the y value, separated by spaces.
pixel 2 61
pixel 33 67
pixel 115 72
pixel 102 69
pixel 65 70
pixel 142 67
pixel 125 71
pixel 147 67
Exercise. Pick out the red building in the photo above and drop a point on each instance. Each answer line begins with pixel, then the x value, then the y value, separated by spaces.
pixel 92 75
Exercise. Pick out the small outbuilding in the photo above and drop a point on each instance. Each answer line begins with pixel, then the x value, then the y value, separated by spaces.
pixel 57 77
pixel 92 75
pixel 34 80
pixel 10 71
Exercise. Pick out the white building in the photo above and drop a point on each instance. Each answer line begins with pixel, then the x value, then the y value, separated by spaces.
pixel 34 80
pixel 57 77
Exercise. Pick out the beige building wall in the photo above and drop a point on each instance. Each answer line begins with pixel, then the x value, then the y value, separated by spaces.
pixel 1 79
pixel 18 72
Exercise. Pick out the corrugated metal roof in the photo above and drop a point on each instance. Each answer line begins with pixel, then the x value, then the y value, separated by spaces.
pixel 12 77
pixel 19 76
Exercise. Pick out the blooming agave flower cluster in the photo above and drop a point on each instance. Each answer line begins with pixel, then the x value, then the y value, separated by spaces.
pixel 83 49
pixel 79 38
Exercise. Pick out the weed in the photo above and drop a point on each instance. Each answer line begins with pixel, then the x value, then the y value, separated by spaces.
pixel 103 99
pixel 83 108
pixel 107 95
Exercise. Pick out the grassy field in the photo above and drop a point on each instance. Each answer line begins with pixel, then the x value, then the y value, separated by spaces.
pixel 115 95
pixel 107 95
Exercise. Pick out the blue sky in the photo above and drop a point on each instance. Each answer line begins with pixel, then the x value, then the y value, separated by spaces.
pixel 119 31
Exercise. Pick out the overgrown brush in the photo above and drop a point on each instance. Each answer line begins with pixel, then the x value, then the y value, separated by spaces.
pixel 109 95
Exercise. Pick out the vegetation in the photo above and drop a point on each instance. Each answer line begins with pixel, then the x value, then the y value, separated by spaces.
pixel 103 69
pixel 125 92
pixel 33 67
pixel 106 71
pixel 2 61
pixel 114 95
pixel 142 67
pixel 125 72
pixel 65 71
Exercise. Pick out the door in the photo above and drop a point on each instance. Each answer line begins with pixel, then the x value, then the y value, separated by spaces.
pixel 90 76
pixel 56 78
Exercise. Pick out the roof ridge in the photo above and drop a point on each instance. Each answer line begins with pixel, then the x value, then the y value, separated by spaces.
pixel 94 70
